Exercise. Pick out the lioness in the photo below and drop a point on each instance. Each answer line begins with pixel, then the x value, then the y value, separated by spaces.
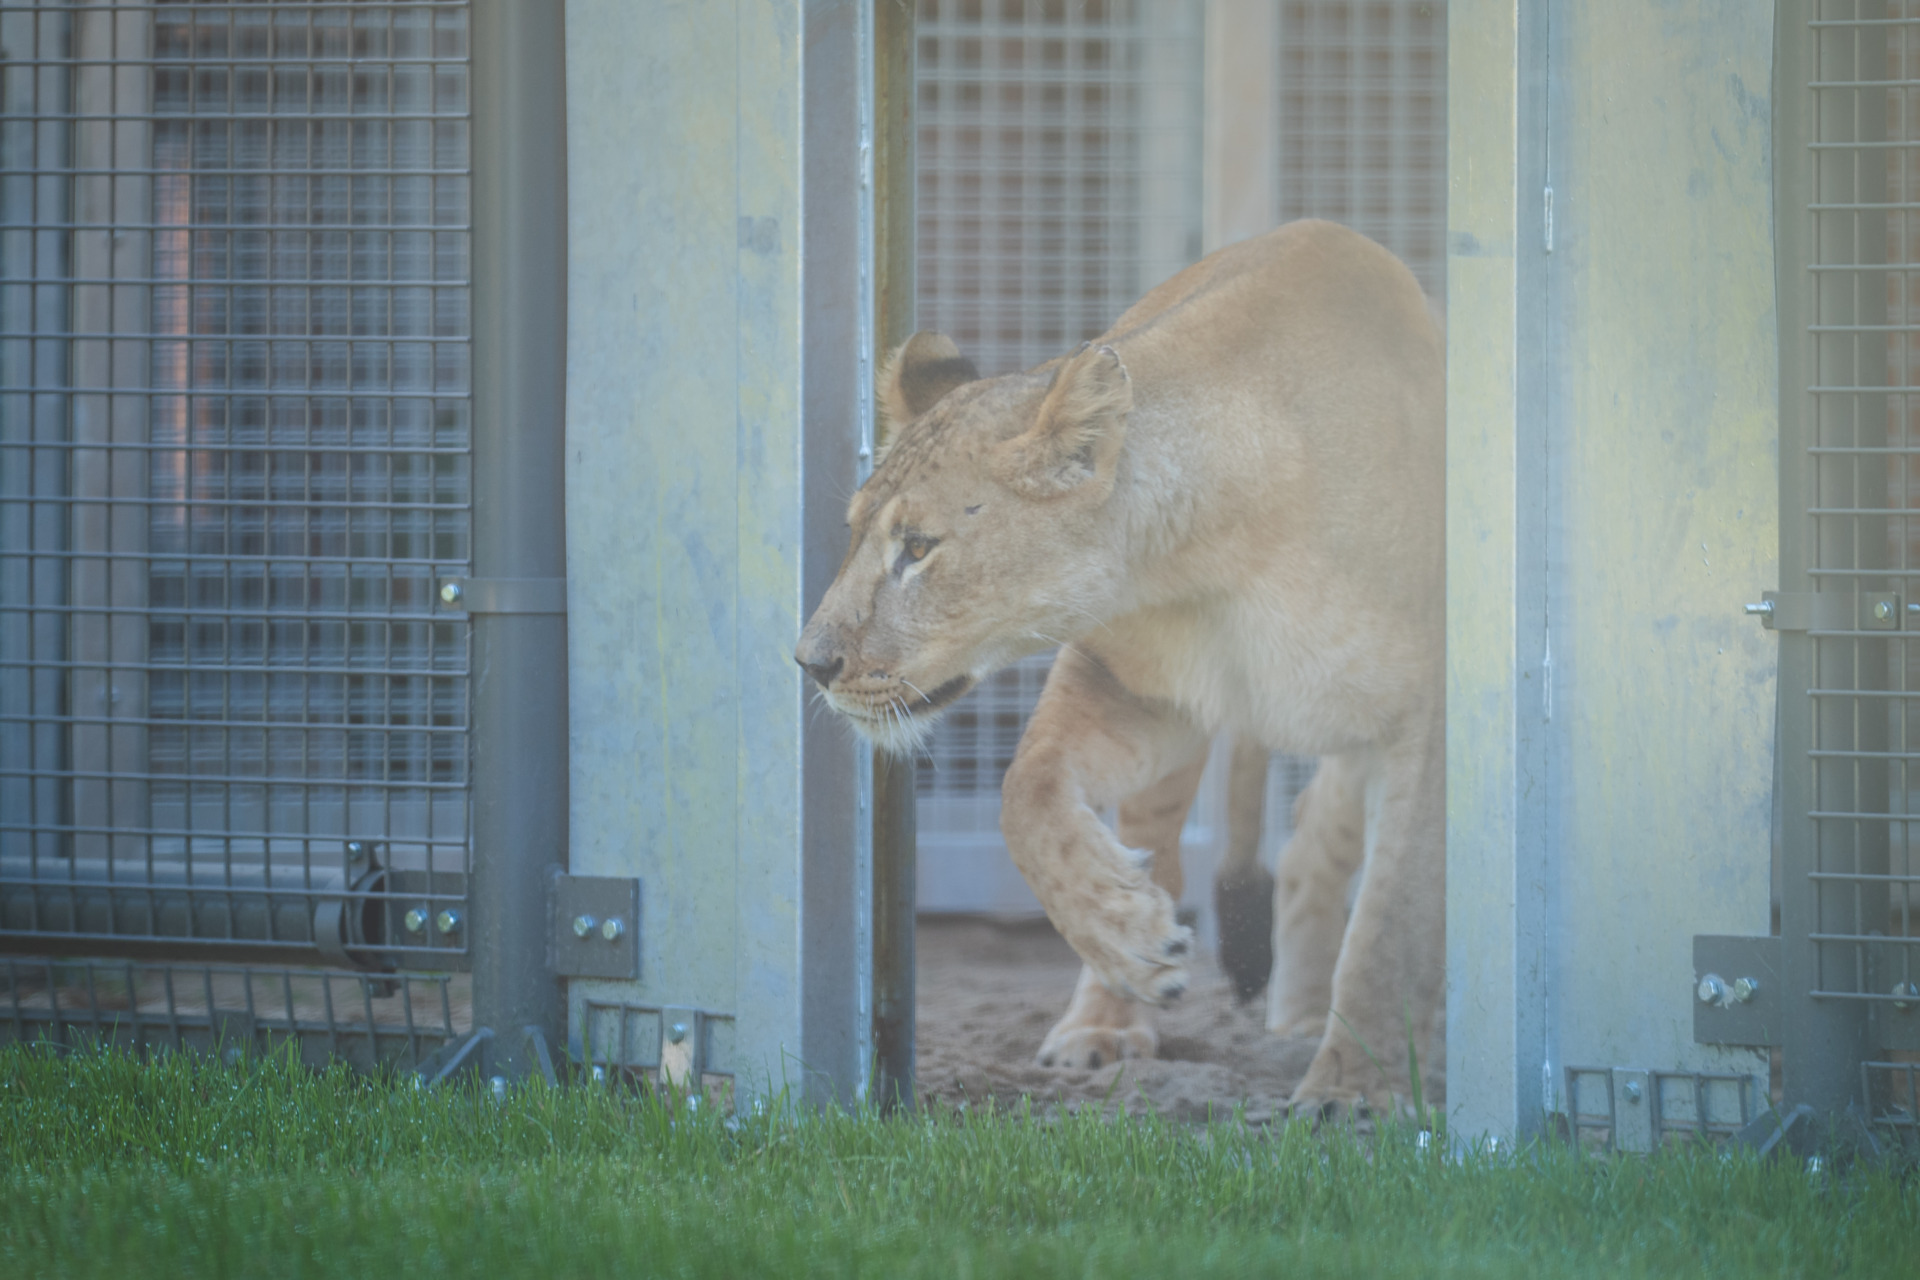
pixel 1228 512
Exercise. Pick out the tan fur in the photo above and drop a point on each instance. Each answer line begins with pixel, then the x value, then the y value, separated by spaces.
pixel 1229 510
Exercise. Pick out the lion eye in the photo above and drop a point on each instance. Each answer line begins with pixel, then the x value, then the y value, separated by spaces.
pixel 913 549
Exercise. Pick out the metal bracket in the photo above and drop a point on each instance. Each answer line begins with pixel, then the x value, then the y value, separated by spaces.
pixel 1830 611
pixel 505 595
pixel 1736 990
pixel 452 1057
pixel 596 927
pixel 1633 1109
pixel 683 1034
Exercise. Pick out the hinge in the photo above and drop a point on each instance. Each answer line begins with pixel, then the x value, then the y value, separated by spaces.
pixel 1831 611
pixel 1736 990
pixel 596 927
pixel 505 595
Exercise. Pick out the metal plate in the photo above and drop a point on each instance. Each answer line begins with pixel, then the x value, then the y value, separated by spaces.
pixel 1755 1021
pixel 1633 1109
pixel 599 901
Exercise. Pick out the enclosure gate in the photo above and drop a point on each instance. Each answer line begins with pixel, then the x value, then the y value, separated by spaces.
pixel 237 505
pixel 1847 955
pixel 1060 177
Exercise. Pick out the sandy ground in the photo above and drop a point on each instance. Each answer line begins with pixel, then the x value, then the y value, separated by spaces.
pixel 988 992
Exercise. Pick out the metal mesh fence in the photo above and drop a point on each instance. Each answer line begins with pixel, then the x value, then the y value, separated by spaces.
pixel 1860 512
pixel 1363 123
pixel 1059 179
pixel 364 1020
pixel 234 460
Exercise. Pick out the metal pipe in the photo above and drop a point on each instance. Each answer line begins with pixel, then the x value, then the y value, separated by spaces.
pixel 519 660
pixel 895 853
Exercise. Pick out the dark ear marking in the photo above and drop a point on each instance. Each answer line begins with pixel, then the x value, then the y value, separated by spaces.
pixel 925 368
pixel 925 382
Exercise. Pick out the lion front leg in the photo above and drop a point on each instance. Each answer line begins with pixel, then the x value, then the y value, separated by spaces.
pixel 1092 743
pixel 1387 984
pixel 1100 1026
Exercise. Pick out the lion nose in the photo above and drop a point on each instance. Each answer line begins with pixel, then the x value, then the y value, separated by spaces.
pixel 822 672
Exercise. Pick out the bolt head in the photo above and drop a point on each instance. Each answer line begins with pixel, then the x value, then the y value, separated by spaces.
pixel 1632 1090
pixel 582 926
pixel 598 1074
pixel 499 1086
pixel 1711 989
pixel 415 919
pixel 1908 994
pixel 677 1032
pixel 450 592
pixel 447 921
pixel 612 928
pixel 1883 609
pixel 1745 989
pixel 356 851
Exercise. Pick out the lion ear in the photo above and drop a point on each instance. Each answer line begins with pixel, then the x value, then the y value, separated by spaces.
pixel 924 368
pixel 1075 439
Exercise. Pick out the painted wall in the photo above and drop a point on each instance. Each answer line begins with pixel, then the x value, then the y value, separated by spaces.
pixel 1613 496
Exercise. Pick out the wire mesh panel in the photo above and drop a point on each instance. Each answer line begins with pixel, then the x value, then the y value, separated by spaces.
pixel 1059 179
pixel 1363 123
pixel 234 460
pixel 1850 876
pixel 362 1019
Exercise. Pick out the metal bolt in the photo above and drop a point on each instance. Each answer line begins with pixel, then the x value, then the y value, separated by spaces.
pixel 677 1032
pixel 1632 1089
pixel 612 927
pixel 1815 1167
pixel 1883 609
pixel 1711 989
pixel 450 592
pixel 447 921
pixel 1908 993
pixel 598 1074
pixel 1422 1140
pixel 1760 609
pixel 415 919
pixel 1745 989
pixel 582 926
pixel 499 1084
pixel 356 851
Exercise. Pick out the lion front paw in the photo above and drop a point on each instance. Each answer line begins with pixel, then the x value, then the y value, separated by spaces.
pixel 1131 939
pixel 1093 1047
pixel 1098 1027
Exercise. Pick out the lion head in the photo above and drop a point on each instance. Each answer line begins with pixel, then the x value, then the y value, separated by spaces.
pixel 984 534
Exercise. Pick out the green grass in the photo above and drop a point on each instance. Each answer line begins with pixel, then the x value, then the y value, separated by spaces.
pixel 113 1167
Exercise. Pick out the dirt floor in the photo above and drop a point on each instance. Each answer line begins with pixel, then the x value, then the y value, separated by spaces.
pixel 988 992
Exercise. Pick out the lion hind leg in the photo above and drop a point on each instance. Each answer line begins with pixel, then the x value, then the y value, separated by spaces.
pixel 1310 896
pixel 1387 984
pixel 1242 888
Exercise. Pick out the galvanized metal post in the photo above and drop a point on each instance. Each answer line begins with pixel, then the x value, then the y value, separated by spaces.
pixel 519 659
pixel 895 848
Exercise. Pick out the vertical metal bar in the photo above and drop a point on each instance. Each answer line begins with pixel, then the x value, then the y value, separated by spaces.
pixel 837 302
pixel 519 661
pixel 895 851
